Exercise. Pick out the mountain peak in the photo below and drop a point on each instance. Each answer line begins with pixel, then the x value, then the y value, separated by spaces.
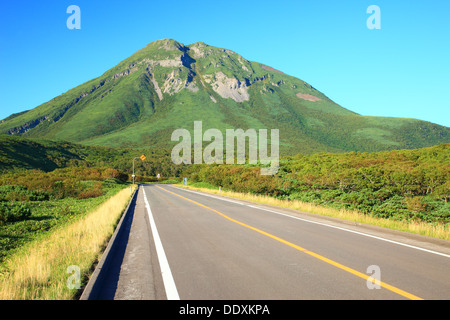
pixel 166 44
pixel 198 44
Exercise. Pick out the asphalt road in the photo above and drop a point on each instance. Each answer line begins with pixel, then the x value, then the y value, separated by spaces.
pixel 182 244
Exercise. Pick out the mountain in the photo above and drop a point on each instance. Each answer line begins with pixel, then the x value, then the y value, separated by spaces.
pixel 168 85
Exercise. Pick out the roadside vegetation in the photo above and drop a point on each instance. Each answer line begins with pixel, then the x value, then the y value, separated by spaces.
pixel 407 189
pixel 33 202
pixel 37 211
pixel 42 269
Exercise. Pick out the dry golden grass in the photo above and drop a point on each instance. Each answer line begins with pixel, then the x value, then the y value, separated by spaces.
pixel 39 271
pixel 423 228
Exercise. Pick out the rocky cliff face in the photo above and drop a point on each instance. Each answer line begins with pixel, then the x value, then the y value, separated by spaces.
pixel 182 63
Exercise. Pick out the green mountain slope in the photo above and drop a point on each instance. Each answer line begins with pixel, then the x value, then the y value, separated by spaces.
pixel 18 154
pixel 167 85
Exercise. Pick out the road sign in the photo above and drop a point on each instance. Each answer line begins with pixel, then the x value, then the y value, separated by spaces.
pixel 143 157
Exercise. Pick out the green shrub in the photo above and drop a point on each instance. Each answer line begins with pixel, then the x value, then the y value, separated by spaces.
pixel 14 212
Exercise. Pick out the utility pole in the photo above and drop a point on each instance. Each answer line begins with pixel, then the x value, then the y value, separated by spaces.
pixel 133 169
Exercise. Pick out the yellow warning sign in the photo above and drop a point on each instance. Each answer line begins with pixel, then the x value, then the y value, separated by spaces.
pixel 143 157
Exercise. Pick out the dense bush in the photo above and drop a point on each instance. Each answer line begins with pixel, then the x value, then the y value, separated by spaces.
pixel 14 212
pixel 95 191
pixel 21 193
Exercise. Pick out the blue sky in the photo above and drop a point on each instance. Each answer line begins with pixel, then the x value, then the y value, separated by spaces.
pixel 400 70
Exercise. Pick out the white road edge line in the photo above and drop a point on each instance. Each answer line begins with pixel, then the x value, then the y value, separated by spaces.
pixel 327 225
pixel 169 283
pixel 356 232
pixel 207 195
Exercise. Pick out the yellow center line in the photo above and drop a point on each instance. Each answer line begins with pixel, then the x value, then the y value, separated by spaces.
pixel 313 254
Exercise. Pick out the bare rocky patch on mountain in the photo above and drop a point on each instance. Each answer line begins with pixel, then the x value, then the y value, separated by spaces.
pixel 308 97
